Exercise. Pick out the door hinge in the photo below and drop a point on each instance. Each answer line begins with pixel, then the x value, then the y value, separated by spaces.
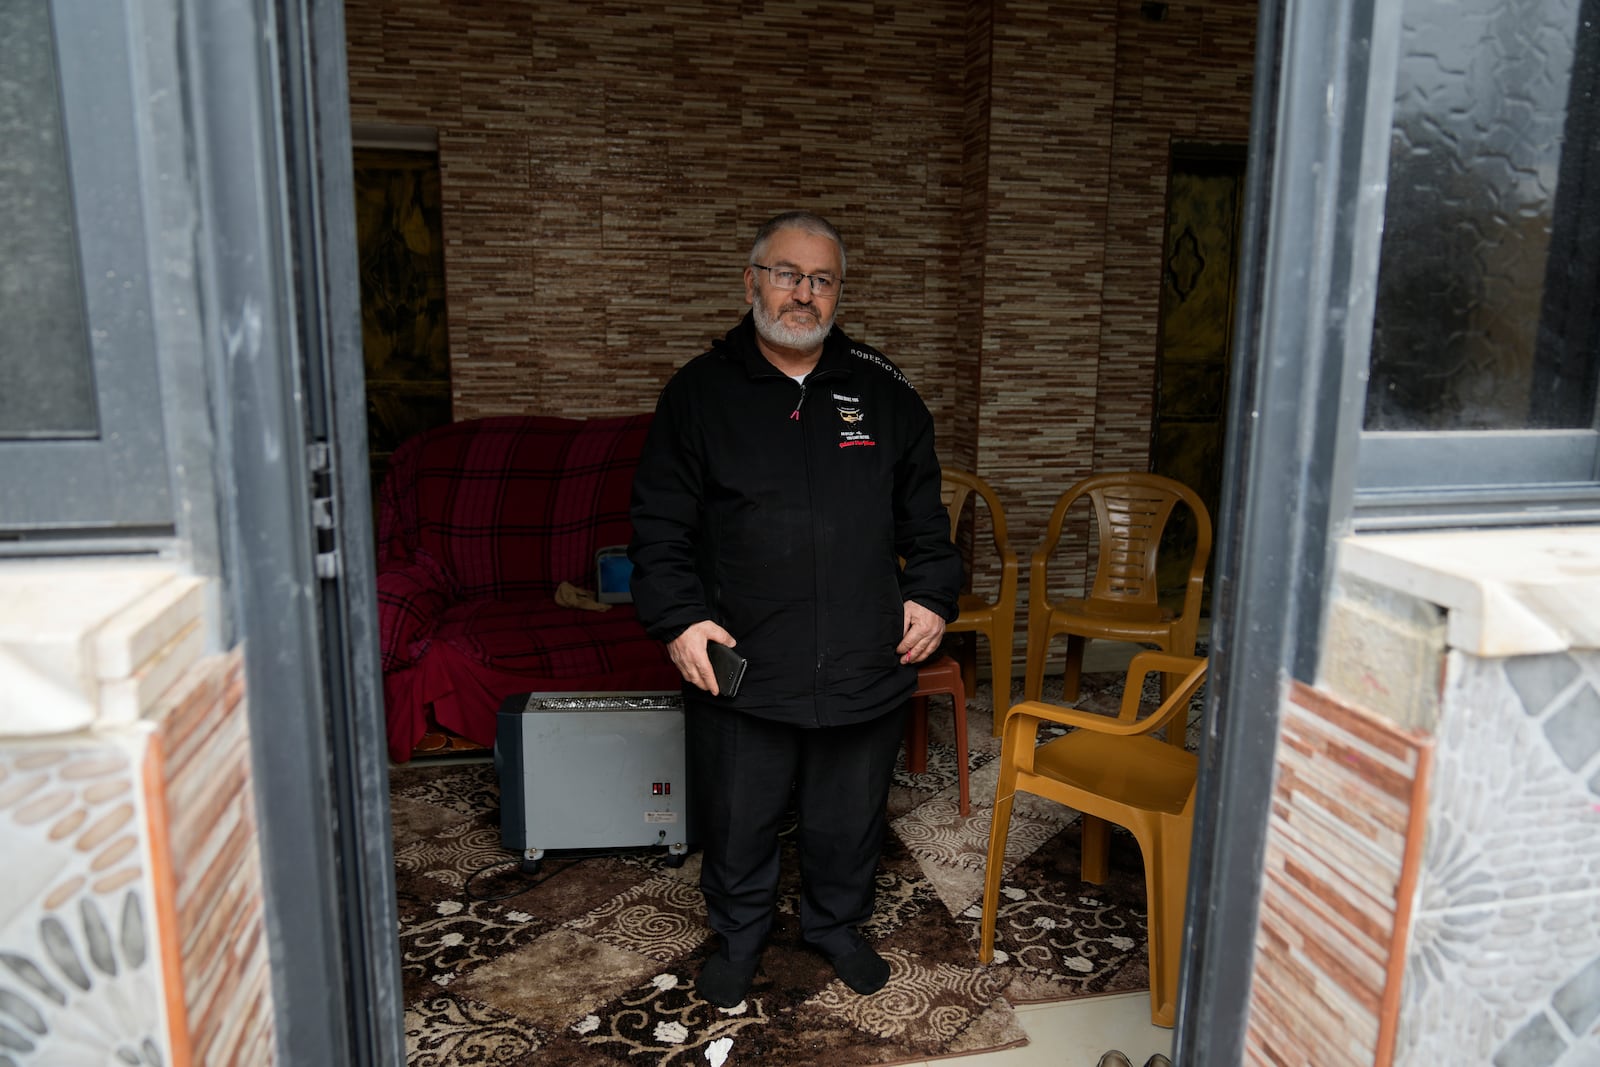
pixel 320 460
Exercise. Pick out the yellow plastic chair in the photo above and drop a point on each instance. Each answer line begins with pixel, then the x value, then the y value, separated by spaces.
pixel 1112 770
pixel 1132 510
pixel 995 619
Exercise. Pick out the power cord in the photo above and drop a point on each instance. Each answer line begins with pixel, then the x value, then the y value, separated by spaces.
pixel 533 867
pixel 526 866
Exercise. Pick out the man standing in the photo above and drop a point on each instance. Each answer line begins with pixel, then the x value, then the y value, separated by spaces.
pixel 788 473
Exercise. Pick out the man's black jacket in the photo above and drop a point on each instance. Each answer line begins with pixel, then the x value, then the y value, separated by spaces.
pixel 781 511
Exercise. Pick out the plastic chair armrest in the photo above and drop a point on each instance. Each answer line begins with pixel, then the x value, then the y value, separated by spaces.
pixel 1192 668
pixel 1153 661
pixel 1037 711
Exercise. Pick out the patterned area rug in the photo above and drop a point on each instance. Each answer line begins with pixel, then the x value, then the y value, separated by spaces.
pixel 592 961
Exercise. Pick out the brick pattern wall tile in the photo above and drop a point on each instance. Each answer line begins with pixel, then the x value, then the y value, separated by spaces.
pixel 959 441
pixel 1343 854
pixel 1185 78
pixel 998 170
pixel 605 166
pixel 215 866
pixel 1050 133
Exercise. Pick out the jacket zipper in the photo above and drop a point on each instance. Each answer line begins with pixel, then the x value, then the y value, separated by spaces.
pixel 816 560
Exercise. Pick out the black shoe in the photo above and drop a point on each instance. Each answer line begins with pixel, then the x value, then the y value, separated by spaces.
pixel 862 969
pixel 724 982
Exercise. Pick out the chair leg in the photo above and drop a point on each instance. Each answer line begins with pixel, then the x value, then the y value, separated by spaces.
pixel 1074 672
pixel 1038 653
pixel 967 656
pixel 1179 644
pixel 1096 860
pixel 917 736
pixel 999 824
pixel 1000 673
pixel 1021 735
pixel 1166 886
pixel 1176 732
pixel 958 709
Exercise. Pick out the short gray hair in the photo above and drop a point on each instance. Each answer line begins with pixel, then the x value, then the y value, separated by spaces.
pixel 797 220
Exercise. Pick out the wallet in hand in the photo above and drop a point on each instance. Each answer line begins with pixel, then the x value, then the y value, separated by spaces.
pixel 728 666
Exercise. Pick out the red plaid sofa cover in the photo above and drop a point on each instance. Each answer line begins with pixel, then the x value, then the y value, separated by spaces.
pixel 478 523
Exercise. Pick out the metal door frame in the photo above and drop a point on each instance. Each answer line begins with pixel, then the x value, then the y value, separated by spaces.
pixel 277 267
pixel 1313 218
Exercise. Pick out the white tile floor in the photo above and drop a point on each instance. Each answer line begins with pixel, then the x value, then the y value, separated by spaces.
pixel 1075 1034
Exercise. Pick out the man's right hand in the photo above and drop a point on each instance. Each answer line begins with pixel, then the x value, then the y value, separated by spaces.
pixel 688 652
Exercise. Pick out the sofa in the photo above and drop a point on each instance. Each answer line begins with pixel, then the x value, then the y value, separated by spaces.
pixel 480 524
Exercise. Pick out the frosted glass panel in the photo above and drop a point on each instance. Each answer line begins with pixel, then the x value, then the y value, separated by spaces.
pixel 1485 314
pixel 46 374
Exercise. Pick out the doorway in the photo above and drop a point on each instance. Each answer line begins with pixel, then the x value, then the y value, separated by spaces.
pixel 1199 287
pixel 405 342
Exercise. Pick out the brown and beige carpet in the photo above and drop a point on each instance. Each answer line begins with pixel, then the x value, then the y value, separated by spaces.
pixel 592 961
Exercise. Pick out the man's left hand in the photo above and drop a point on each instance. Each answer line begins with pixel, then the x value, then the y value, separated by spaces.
pixel 924 630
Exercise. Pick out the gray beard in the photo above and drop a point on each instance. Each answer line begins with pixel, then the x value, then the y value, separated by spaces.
pixel 776 332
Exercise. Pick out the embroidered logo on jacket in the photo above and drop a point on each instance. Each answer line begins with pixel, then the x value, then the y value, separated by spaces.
pixel 852 417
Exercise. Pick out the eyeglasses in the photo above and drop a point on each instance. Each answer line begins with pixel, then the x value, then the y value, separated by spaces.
pixel 789 278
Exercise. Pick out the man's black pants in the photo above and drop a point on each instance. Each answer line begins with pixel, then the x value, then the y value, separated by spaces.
pixel 742 770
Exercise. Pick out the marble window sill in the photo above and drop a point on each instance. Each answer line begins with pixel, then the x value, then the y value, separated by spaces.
pixel 1507 592
pixel 92 642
